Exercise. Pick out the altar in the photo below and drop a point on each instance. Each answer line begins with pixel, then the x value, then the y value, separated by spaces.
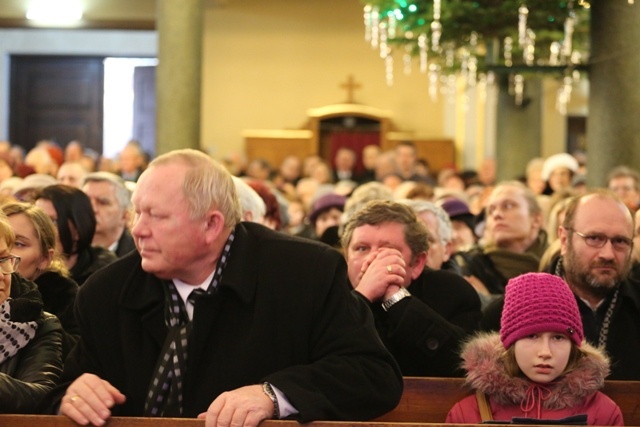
pixel 352 125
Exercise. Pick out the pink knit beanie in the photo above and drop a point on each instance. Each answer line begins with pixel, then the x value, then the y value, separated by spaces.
pixel 539 302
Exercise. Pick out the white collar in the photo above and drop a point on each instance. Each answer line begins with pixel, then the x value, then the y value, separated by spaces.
pixel 185 289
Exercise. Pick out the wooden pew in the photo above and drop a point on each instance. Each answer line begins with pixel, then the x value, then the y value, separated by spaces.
pixel 627 395
pixel 428 400
pixel 61 421
pixel 424 401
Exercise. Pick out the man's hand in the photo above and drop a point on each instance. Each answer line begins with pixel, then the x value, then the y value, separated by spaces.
pixel 381 275
pixel 88 400
pixel 245 406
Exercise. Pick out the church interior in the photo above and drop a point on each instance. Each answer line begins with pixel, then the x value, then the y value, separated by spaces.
pixel 276 75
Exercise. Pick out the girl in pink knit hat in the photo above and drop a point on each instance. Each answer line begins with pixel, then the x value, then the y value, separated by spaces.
pixel 538 366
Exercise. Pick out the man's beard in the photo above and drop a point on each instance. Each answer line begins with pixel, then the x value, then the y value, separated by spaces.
pixel 582 276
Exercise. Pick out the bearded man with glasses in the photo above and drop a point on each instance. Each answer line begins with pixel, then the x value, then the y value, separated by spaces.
pixel 596 245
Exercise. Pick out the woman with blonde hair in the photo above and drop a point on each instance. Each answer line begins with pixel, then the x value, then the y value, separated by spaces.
pixel 30 339
pixel 42 263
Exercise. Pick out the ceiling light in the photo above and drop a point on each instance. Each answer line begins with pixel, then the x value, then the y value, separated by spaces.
pixel 55 12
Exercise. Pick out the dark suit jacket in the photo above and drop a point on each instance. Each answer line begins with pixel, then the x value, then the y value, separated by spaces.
pixel 424 332
pixel 125 244
pixel 283 313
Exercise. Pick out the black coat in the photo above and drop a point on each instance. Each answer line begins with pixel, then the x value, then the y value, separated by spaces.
pixel 58 296
pixel 90 261
pixel 424 332
pixel 27 377
pixel 282 313
pixel 125 243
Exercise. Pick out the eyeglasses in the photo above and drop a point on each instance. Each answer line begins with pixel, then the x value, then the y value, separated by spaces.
pixel 9 264
pixel 597 240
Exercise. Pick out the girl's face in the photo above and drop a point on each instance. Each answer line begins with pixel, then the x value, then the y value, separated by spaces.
pixel 543 357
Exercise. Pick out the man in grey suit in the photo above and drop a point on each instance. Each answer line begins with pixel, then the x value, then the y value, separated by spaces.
pixel 111 201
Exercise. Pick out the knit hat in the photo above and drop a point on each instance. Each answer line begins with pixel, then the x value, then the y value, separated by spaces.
pixel 539 302
pixel 459 211
pixel 324 203
pixel 561 160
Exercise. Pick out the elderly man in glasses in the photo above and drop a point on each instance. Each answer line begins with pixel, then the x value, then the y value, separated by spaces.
pixel 596 238
pixel 30 340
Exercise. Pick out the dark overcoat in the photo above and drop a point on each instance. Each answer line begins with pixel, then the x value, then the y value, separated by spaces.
pixel 282 313
pixel 424 332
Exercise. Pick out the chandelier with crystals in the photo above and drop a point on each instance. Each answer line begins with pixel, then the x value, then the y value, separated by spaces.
pixel 476 39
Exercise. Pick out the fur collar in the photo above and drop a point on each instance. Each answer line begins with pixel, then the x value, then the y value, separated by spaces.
pixel 486 372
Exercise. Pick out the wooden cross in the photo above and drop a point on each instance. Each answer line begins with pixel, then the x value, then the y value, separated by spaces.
pixel 350 86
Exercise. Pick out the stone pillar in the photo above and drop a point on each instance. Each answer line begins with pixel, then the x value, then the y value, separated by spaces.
pixel 178 93
pixel 519 135
pixel 613 126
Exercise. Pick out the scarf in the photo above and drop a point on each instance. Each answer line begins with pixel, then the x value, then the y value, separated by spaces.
pixel 165 390
pixel 511 264
pixel 14 335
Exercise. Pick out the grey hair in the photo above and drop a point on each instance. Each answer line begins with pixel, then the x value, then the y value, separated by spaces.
pixel 444 223
pixel 123 195
pixel 207 184
pixel 365 193
pixel 250 200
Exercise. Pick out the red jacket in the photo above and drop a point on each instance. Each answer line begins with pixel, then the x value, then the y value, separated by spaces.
pixel 572 394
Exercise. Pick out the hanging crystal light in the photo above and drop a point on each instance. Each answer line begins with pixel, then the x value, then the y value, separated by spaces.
pixel 564 94
pixel 407 59
pixel 434 76
pixel 436 26
pixel 523 13
pixel 422 48
pixel 508 49
pixel 368 25
pixel 518 89
pixel 458 37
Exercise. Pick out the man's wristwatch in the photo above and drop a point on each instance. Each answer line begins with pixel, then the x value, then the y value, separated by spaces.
pixel 401 294
pixel 268 390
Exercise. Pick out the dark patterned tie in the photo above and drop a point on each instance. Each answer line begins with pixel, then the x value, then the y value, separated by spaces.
pixel 165 390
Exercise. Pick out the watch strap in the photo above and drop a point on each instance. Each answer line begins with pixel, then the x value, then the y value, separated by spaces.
pixel 401 294
pixel 268 390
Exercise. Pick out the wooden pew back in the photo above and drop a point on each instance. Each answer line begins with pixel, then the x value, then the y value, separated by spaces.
pixel 425 400
pixel 62 421
pixel 428 400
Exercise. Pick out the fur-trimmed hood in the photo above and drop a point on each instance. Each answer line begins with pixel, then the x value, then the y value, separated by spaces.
pixel 482 359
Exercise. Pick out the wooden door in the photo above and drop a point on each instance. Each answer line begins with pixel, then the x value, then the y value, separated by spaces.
pixel 58 98
pixel 347 131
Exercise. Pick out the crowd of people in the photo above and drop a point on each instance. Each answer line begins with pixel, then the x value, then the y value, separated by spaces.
pixel 306 291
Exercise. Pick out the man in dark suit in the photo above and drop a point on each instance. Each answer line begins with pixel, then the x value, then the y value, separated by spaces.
pixel 111 201
pixel 271 332
pixel 422 315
